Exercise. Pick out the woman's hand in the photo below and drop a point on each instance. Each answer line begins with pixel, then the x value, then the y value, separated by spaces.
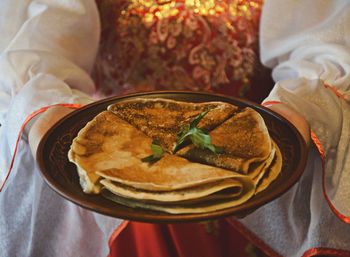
pixel 294 117
pixel 45 121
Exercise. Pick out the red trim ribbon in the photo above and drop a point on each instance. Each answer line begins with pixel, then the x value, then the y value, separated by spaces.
pixel 26 121
pixel 268 103
pixel 319 147
pixel 326 252
pixel 335 91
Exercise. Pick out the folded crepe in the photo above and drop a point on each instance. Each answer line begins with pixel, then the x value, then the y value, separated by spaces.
pixel 106 142
pixel 244 139
pixel 110 149
pixel 202 205
pixel 161 119
pixel 270 172
pixel 182 187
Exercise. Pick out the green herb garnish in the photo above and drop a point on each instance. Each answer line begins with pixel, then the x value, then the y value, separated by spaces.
pixel 197 136
pixel 157 153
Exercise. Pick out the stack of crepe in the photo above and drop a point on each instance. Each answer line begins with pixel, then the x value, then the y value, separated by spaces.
pixel 109 153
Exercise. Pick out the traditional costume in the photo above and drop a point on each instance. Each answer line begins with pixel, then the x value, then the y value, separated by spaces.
pixel 48 50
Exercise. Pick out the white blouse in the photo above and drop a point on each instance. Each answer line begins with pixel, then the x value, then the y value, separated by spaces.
pixel 47 49
pixel 307 43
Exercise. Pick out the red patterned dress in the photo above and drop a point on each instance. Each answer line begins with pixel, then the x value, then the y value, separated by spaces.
pixel 194 45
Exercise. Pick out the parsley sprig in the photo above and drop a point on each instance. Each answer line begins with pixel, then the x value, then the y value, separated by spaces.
pixel 189 133
pixel 156 155
pixel 197 136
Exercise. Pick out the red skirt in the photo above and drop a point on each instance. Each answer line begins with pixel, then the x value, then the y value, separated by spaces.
pixel 220 238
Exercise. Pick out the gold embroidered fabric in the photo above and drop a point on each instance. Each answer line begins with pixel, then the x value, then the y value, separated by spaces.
pixel 197 45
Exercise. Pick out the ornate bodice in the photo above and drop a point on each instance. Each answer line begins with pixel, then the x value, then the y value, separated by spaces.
pixel 198 45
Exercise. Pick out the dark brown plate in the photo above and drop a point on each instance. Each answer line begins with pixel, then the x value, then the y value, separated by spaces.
pixel 61 175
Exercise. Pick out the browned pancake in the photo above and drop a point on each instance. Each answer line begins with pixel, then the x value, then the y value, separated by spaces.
pixel 205 204
pixel 244 139
pixel 106 142
pixel 271 173
pixel 162 119
pixel 169 173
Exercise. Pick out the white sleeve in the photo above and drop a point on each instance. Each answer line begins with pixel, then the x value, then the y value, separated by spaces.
pixel 47 48
pixel 307 43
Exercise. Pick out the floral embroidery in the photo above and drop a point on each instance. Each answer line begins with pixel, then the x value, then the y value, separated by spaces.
pixel 198 45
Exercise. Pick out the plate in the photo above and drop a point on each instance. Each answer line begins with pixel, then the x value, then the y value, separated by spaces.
pixel 61 175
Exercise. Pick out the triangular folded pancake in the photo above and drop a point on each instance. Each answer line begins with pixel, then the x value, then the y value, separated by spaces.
pixel 162 119
pixel 271 173
pixel 173 179
pixel 169 173
pixel 256 169
pixel 202 207
pixel 203 192
pixel 106 142
pixel 244 139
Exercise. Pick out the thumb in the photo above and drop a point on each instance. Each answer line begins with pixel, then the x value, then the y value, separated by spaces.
pixel 294 117
pixel 45 121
